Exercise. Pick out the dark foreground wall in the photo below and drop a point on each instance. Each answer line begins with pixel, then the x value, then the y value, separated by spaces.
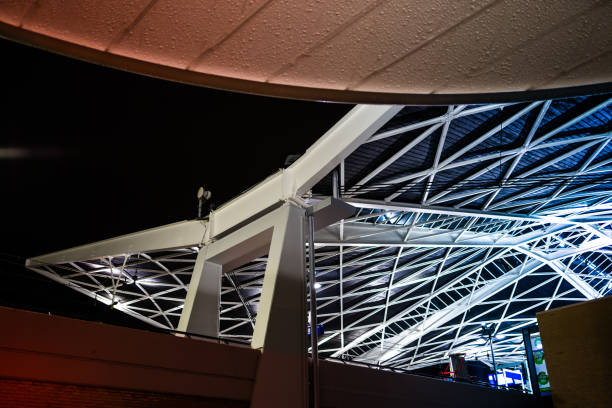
pixel 355 387
pixel 50 361
pixel 51 351
pixel 577 343
pixel 26 393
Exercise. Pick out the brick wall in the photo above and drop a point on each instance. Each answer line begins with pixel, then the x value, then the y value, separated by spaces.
pixel 34 394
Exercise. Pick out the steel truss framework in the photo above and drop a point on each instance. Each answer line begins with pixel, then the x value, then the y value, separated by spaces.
pixel 466 215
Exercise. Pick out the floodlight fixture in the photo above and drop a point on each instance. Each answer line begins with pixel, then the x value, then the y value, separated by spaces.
pixel 488 329
pixel 202 195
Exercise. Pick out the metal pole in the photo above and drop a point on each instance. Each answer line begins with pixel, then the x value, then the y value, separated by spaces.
pixel 533 380
pixel 313 314
pixel 493 358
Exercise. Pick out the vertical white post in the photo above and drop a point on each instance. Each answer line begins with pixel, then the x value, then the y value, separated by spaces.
pixel 200 314
pixel 313 312
pixel 281 311
pixel 280 329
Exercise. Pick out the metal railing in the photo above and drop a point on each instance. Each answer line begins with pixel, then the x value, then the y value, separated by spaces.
pixel 221 340
pixel 408 372
pixel 89 318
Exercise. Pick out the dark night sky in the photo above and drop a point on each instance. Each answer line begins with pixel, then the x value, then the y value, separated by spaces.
pixel 111 152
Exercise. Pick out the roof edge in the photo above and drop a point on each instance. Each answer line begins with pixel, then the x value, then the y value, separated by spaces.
pixel 165 72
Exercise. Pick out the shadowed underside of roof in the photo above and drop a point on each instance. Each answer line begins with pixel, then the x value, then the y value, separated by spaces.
pixel 364 51
pixel 466 215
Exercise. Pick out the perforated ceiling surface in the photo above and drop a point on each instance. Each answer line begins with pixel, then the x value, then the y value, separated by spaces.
pixel 360 50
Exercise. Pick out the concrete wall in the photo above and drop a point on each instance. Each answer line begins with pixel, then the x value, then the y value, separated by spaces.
pixel 577 342
pixel 54 349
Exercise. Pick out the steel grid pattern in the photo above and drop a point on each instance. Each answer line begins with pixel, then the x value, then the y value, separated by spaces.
pixel 466 215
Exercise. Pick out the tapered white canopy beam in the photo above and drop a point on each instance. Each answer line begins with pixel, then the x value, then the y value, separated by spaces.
pixel 178 235
pixel 324 155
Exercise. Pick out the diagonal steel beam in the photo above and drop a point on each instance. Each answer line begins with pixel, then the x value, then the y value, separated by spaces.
pixel 366 235
pixel 440 317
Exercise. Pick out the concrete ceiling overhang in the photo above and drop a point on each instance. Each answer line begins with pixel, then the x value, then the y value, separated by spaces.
pixel 368 51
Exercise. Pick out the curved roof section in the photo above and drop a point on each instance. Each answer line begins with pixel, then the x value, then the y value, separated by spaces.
pixel 465 215
pixel 459 51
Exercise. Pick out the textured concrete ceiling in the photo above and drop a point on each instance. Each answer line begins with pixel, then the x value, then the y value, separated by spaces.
pixel 416 51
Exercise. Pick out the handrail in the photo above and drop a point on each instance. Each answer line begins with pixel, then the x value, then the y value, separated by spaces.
pixel 404 371
pixel 220 340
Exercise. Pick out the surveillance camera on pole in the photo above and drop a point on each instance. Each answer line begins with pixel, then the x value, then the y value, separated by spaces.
pixel 203 195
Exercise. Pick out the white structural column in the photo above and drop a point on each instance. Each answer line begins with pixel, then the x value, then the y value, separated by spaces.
pixel 200 314
pixel 280 327
pixel 201 309
pixel 282 373
pixel 281 319
pixel 275 234
pixel 281 313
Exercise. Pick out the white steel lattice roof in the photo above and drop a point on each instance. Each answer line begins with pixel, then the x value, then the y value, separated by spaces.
pixel 465 215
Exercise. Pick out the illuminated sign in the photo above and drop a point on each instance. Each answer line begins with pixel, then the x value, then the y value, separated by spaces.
pixel 540 363
pixel 507 377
